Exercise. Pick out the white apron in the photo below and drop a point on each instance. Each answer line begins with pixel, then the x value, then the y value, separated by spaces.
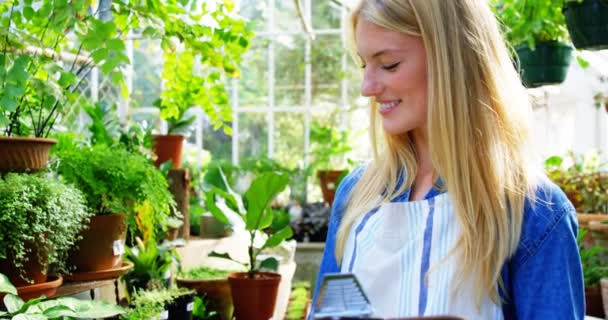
pixel 390 251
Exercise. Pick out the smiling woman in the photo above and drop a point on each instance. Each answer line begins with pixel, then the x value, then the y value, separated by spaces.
pixel 451 216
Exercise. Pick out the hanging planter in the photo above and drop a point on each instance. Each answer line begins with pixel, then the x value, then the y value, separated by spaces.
pixel 24 154
pixel 587 23
pixel 547 64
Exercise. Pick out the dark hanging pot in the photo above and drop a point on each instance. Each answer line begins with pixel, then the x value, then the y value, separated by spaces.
pixel 587 23
pixel 547 64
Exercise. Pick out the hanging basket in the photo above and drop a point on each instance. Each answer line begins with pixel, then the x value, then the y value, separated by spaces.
pixel 24 154
pixel 547 64
pixel 587 23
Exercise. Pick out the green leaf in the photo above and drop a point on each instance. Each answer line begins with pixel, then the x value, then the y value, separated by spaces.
pixel 67 79
pixel 582 62
pixel 29 317
pixel 28 12
pixel 116 44
pixel 100 54
pixel 71 307
pixel 260 194
pixel 117 78
pixel 6 286
pixel 280 220
pixel 4 121
pixel 210 202
pixel 270 264
pixel 223 256
pixel 12 303
pixel 278 237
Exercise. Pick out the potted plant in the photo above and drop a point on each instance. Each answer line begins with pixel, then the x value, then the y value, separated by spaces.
pixel 152 266
pixel 173 225
pixel 593 271
pixel 211 283
pixel 254 292
pixel 171 304
pixel 35 88
pixel 42 309
pixel 193 75
pixel 537 31
pixel 125 191
pixel 40 221
pixel 328 149
pixel 584 180
pixel 587 22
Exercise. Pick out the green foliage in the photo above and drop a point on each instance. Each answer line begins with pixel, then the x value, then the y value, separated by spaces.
pixel 41 309
pixel 254 208
pixel 105 128
pixel 151 264
pixel 529 22
pixel 117 181
pixel 36 88
pixel 298 301
pixel 194 75
pixel 201 311
pixel 149 304
pixel 203 272
pixel 40 215
pixel 328 147
pixel 583 178
pixel 593 267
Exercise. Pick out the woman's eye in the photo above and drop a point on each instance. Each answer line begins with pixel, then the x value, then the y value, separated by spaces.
pixel 390 66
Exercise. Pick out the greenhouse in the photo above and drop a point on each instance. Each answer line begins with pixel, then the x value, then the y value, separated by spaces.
pixel 303 159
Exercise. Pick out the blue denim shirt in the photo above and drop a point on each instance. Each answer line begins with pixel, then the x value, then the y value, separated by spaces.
pixel 543 279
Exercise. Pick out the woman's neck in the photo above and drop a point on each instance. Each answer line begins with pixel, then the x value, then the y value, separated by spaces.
pixel 425 176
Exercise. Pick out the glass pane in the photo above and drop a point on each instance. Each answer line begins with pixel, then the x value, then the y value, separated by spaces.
pixel 253 84
pixel 289 72
pixel 256 11
pixel 326 14
pixel 286 18
pixel 326 59
pixel 253 135
pixel 216 142
pixel 147 69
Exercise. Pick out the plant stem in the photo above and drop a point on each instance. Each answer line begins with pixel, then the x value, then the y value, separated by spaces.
pixel 251 271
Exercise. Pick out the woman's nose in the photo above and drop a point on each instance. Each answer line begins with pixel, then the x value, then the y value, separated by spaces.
pixel 370 86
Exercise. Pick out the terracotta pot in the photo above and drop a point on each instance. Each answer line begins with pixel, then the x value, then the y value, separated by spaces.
pixel 604 286
pixel 48 288
pixel 172 234
pixel 254 299
pixel 329 183
pixel 24 154
pixel 99 248
pixel 216 291
pixel 599 233
pixel 32 270
pixel 593 301
pixel 168 147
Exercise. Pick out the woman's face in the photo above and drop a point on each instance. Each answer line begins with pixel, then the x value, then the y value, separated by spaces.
pixel 394 73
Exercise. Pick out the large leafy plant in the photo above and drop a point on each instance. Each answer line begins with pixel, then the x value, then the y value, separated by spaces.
pixel 194 72
pixel 48 49
pixel 254 207
pixel 328 147
pixel 583 178
pixel 42 309
pixel 529 22
pixel 40 212
pixel 117 181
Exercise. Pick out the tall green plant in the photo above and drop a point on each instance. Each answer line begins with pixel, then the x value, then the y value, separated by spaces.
pixel 531 21
pixel 254 208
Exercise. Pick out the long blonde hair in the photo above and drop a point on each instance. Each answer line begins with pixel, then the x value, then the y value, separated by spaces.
pixel 478 114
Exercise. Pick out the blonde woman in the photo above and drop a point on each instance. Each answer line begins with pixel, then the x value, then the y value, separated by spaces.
pixel 452 216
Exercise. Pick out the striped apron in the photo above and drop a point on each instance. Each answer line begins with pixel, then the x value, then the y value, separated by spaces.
pixel 391 249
